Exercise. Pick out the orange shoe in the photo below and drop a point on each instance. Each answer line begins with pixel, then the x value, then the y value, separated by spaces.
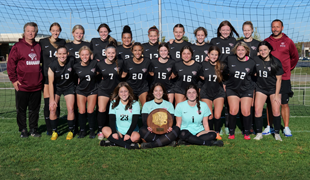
pixel 218 137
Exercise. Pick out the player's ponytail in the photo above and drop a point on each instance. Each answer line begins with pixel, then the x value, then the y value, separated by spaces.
pixel 127 29
pixel 153 28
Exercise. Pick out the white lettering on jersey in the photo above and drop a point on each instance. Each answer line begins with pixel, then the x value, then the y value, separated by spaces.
pixel 32 62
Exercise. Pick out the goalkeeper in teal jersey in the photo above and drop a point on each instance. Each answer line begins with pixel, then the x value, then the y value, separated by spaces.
pixel 192 118
pixel 124 114
pixel 157 98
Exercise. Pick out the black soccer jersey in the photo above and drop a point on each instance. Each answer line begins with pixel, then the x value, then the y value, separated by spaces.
pixel 210 85
pixel 48 52
pixel 63 75
pixel 186 75
pixel 175 50
pixel 253 45
pixel 87 76
pixel 123 53
pixel 111 75
pixel 240 73
pixel 162 72
pixel 225 45
pixel 200 52
pixel 74 50
pixel 265 80
pixel 150 52
pixel 137 73
pixel 98 47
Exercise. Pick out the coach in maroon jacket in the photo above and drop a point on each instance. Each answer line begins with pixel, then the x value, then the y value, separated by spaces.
pixel 24 71
pixel 285 50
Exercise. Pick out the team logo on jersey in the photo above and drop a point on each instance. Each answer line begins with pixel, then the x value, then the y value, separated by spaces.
pixel 32 50
pixel 103 70
pixel 172 47
pixel 144 70
pixel 247 69
pixel 217 43
pixel 116 68
pixel 69 69
pixel 257 64
pixel 147 50
pixel 269 68
pixel 231 44
pixel 120 52
pixel 93 70
pixel 206 69
pixel 96 44
pixel 80 72
pixel 46 46
pixel 180 69
pixel 206 51
pixel 168 69
pixel 70 49
pixel 194 72
pixel 233 65
pixel 130 110
pixel 253 47
pixel 32 56
pixel 282 44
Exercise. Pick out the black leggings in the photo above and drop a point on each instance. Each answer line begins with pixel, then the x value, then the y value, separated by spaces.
pixel 159 140
pixel 205 139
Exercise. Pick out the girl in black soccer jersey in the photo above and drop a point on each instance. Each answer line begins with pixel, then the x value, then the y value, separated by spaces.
pixel 48 55
pixel 86 91
pixel 60 79
pixel 200 48
pixel 98 45
pixel 212 91
pixel 192 119
pixel 161 70
pixel 226 42
pixel 151 47
pixel 187 72
pixel 178 43
pixel 123 116
pixel 269 76
pixel 136 69
pixel 239 87
pixel 157 98
pixel 124 50
pixel 78 32
pixel 110 70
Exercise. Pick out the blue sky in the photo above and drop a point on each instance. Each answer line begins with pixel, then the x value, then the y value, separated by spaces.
pixel 142 14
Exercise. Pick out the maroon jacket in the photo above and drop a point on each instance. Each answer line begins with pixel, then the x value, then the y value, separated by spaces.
pixel 24 66
pixel 285 50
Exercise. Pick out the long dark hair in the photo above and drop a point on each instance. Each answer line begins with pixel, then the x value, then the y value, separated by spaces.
pixel 115 97
pixel 274 66
pixel 186 47
pixel 227 23
pixel 150 95
pixel 113 45
pixel 192 86
pixel 109 38
pixel 219 66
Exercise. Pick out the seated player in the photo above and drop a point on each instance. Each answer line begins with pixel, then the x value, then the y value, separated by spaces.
pixel 124 114
pixel 192 118
pixel 157 98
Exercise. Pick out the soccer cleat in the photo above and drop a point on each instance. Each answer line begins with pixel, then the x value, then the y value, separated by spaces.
pixel 266 131
pixel 24 133
pixel 231 137
pixel 146 145
pixel 69 136
pixel 259 136
pixel 277 137
pixel 218 137
pixel 173 144
pixel 247 137
pixel 100 136
pixel 54 136
pixel 34 133
pixel 92 134
pixel 82 134
pixel 287 132
pixel 135 146
pixel 104 143
pixel 221 132
pixel 181 142
pixel 226 131
pixel 218 143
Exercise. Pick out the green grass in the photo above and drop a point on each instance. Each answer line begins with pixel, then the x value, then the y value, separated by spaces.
pixel 41 158
pixel 301 70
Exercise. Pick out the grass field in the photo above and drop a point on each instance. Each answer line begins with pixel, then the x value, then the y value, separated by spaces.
pixel 41 158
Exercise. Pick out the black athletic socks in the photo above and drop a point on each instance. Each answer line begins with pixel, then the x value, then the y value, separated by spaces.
pixel 91 120
pixel 210 122
pixel 54 124
pixel 71 124
pixel 217 125
pixel 101 118
pixel 82 121
pixel 277 124
pixel 247 124
pixel 47 115
pixel 259 124
pixel 232 124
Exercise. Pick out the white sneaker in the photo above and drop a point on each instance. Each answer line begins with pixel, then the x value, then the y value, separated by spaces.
pixel 287 132
pixel 266 131
pixel 259 136
pixel 277 137
pixel 100 136
pixel 226 131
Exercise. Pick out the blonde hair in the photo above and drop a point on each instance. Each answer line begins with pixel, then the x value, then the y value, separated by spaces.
pixel 241 43
pixel 78 27
pixel 247 23
pixel 85 48
pixel 33 24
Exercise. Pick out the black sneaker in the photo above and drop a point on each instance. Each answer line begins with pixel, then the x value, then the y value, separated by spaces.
pixel 104 143
pixel 34 133
pixel 181 142
pixel 92 134
pixel 135 146
pixel 145 145
pixel 24 133
pixel 173 144
pixel 218 143
pixel 82 134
